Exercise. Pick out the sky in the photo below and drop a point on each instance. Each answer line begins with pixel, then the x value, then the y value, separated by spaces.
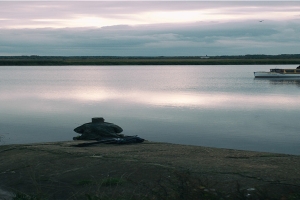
pixel 149 28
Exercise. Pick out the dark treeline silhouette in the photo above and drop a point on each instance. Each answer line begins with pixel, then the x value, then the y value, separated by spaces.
pixel 35 60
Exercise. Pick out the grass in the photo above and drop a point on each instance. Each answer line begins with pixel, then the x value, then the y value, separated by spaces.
pixel 105 182
pixel 84 182
pixel 58 177
pixel 112 181
pixel 181 185
pixel 22 196
pixel 186 186
pixel 196 60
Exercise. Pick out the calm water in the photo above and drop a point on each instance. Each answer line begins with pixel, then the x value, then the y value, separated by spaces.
pixel 216 106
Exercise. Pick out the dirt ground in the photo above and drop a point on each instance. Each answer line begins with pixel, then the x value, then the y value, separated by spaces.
pixel 144 171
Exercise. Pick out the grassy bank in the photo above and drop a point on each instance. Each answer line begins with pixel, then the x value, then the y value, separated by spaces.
pixel 145 171
pixel 98 60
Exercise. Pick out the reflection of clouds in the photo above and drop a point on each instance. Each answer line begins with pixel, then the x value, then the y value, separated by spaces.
pixel 79 96
pixel 209 100
pixel 290 81
pixel 176 99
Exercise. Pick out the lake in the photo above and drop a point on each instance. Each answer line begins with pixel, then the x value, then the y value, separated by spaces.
pixel 214 106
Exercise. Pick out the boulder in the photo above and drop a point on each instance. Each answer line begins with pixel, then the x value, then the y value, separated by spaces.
pixel 98 130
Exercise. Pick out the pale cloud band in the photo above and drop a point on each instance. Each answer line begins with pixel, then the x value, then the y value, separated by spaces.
pixel 149 28
pixel 100 14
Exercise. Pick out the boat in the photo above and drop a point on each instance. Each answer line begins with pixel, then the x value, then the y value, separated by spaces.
pixel 279 73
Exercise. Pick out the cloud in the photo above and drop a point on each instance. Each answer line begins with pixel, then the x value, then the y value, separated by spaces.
pixel 99 14
pixel 148 28
pixel 192 39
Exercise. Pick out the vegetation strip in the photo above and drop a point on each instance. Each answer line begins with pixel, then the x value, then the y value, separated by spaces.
pixel 178 60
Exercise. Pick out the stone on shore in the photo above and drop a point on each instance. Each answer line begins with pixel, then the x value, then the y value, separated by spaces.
pixel 97 130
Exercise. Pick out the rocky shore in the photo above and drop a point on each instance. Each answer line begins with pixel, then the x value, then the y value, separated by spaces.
pixel 146 170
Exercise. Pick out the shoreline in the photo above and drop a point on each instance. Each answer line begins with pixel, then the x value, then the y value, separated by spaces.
pixel 146 141
pixel 75 170
pixel 160 60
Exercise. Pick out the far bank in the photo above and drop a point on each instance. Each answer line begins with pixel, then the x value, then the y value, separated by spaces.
pixel 178 60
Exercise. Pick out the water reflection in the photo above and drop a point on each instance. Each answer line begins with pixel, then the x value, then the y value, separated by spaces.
pixel 38 100
pixel 218 106
pixel 281 81
pixel 286 82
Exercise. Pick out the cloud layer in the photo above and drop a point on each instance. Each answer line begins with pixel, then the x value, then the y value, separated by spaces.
pixel 149 28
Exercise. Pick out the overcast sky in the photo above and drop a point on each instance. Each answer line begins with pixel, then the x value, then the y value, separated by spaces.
pixel 152 28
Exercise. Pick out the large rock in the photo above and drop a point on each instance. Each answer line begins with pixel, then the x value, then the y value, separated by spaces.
pixel 97 130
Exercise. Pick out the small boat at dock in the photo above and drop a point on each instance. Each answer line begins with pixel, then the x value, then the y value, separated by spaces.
pixel 279 73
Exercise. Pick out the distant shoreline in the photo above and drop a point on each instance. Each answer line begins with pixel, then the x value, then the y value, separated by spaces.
pixel 179 60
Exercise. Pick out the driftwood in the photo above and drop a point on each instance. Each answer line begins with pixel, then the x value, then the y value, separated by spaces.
pixel 124 140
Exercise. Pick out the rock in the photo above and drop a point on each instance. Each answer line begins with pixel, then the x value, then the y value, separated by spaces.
pixel 97 130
